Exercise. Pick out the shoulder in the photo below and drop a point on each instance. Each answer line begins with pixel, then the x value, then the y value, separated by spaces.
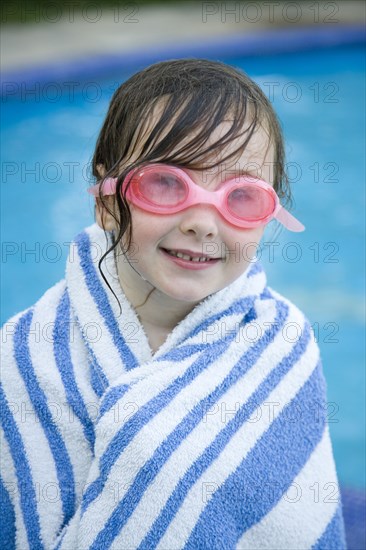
pixel 46 303
pixel 298 337
pixel 269 302
pixel 296 320
pixel 27 334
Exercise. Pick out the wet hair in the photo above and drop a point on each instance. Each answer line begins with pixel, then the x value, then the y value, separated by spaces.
pixel 193 96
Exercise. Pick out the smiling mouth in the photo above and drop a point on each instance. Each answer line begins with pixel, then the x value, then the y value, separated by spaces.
pixel 190 258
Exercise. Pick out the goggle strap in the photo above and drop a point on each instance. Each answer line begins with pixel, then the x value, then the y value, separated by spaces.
pixel 288 220
pixel 108 187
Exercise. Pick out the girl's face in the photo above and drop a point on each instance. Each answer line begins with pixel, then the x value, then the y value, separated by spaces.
pixel 198 230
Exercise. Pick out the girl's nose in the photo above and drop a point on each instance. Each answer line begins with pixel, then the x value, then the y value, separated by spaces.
pixel 201 220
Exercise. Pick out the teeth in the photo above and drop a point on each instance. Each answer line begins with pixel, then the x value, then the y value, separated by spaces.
pixel 183 256
pixel 190 258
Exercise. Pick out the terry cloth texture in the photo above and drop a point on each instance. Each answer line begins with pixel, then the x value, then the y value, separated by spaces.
pixel 219 440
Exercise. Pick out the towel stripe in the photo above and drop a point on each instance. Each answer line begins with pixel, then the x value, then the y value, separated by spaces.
pixel 134 425
pixel 26 489
pixel 151 469
pixel 154 406
pixel 296 440
pixel 137 422
pixel 246 437
pixel 99 381
pixel 199 466
pixel 61 340
pixel 333 533
pixel 7 519
pixel 238 306
pixel 111 399
pixel 101 300
pixel 187 350
pixel 39 402
pixel 303 499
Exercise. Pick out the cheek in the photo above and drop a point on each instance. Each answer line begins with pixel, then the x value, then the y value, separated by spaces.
pixel 246 236
pixel 148 228
pixel 242 245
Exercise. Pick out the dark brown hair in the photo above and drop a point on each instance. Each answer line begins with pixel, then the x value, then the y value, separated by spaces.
pixel 198 96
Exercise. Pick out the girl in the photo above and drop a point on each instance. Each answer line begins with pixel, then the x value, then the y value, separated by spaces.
pixel 162 395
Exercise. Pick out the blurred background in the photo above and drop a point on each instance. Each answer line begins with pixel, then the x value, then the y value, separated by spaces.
pixel 61 63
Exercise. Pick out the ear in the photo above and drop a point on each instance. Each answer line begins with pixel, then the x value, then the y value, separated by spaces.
pixel 104 218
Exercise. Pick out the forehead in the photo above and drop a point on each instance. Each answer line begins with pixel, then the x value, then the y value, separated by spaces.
pixel 256 149
pixel 256 152
pixel 256 158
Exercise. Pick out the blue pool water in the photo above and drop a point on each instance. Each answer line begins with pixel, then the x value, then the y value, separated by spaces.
pixel 48 141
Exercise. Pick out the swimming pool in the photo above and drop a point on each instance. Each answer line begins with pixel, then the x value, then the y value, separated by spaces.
pixel 48 139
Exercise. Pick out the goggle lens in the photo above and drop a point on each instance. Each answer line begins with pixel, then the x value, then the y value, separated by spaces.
pixel 161 189
pixel 250 203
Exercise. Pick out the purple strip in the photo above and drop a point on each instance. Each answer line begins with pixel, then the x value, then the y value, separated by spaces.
pixel 265 42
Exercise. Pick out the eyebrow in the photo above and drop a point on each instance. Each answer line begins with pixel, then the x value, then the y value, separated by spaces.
pixel 244 172
pixel 241 172
pixel 230 174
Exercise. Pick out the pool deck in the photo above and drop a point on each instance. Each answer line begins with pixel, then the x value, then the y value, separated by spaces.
pixel 65 36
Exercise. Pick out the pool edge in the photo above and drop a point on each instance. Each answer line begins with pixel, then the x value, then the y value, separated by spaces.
pixel 253 44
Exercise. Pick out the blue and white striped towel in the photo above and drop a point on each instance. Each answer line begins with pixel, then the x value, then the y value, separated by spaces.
pixel 218 440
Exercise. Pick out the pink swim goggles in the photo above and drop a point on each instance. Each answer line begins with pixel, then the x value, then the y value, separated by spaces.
pixel 244 201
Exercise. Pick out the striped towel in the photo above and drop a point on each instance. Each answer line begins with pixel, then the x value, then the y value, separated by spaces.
pixel 219 440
